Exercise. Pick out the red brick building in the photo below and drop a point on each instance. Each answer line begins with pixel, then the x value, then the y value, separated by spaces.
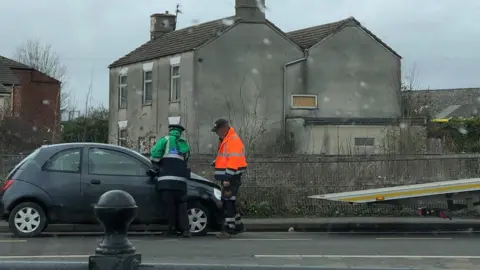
pixel 29 95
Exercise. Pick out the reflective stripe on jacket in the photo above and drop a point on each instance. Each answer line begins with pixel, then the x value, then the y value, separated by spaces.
pixel 230 159
pixel 172 153
pixel 174 172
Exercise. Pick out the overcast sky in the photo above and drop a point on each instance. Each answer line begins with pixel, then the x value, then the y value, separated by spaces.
pixel 439 37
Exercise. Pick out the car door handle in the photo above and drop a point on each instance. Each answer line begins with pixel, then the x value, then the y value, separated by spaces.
pixel 95 181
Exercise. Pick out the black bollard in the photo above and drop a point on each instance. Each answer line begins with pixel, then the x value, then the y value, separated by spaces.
pixel 115 210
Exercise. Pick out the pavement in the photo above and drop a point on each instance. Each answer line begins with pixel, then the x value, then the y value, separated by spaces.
pixel 336 224
pixel 330 250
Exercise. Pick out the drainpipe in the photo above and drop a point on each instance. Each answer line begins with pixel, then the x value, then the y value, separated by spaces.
pixel 12 94
pixel 284 114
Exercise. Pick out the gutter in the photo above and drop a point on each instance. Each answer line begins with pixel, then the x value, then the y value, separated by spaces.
pixel 284 113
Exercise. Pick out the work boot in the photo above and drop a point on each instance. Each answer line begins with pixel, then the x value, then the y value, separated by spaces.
pixel 239 228
pixel 186 234
pixel 223 235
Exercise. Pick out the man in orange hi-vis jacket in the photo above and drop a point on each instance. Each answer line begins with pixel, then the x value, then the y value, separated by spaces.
pixel 230 164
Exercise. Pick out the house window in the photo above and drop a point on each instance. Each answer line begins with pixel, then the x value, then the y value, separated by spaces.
pixel 304 101
pixel 175 83
pixel 122 92
pixel 142 147
pixel 151 143
pixel 122 138
pixel 147 87
pixel 364 141
pixel 4 103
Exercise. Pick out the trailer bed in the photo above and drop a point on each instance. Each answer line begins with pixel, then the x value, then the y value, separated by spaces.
pixel 403 192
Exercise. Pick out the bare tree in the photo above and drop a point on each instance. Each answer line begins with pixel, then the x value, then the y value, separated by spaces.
pixel 407 137
pixel 244 116
pixel 44 59
pixel 412 104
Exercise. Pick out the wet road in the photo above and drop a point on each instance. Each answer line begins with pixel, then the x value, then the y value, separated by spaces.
pixel 424 251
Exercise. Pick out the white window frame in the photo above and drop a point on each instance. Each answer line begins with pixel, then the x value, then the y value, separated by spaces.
pixel 145 82
pixel 303 107
pixel 7 104
pixel 177 79
pixel 122 91
pixel 4 100
pixel 139 146
pixel 122 139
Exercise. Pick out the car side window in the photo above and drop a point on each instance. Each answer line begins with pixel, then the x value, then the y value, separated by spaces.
pixel 110 162
pixel 65 161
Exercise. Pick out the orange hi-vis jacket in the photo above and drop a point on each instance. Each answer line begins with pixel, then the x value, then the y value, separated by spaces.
pixel 230 159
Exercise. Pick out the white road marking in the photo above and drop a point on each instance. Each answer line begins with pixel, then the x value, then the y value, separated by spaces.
pixel 13 241
pixel 413 238
pixel 256 265
pixel 271 239
pixel 43 257
pixel 368 256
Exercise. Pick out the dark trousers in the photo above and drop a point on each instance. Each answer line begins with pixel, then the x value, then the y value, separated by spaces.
pixel 233 221
pixel 175 203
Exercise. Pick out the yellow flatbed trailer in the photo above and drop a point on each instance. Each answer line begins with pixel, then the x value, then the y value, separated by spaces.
pixel 435 189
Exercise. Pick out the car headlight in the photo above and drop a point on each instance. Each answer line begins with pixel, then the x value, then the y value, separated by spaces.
pixel 217 193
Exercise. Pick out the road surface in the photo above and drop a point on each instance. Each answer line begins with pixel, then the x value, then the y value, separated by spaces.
pixel 424 251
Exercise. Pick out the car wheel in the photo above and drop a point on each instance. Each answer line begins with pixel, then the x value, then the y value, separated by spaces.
pixel 198 217
pixel 27 220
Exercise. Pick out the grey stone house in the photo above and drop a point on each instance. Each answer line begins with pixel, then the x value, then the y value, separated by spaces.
pixel 323 89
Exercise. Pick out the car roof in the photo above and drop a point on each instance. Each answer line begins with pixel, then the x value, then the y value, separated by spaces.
pixel 64 146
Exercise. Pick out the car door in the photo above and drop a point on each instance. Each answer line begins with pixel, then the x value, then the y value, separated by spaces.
pixel 62 176
pixel 108 169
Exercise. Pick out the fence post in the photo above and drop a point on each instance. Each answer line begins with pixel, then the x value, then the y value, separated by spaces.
pixel 115 210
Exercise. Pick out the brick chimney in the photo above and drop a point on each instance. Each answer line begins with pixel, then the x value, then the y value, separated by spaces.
pixel 250 10
pixel 162 23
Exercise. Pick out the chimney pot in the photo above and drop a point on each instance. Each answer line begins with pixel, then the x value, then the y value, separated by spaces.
pixel 162 23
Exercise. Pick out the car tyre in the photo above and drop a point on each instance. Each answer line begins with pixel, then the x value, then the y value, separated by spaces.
pixel 27 219
pixel 199 218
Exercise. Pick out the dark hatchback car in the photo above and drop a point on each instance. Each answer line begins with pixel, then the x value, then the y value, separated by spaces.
pixel 61 183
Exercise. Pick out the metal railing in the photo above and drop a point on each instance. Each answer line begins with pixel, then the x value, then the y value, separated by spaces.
pixel 280 186
pixel 115 211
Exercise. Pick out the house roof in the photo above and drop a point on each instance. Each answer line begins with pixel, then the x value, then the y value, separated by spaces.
pixel 445 102
pixel 308 37
pixel 178 41
pixel 192 37
pixel 13 64
pixel 10 64
pixel 7 77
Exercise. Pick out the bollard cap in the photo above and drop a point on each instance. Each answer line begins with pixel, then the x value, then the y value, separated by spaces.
pixel 116 199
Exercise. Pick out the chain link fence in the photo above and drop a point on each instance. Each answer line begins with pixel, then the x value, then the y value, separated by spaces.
pixel 7 162
pixel 280 186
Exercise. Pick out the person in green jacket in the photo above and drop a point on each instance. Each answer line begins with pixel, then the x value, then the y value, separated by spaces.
pixel 169 156
pixel 173 141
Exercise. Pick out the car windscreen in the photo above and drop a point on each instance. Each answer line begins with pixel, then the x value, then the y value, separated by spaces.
pixel 20 164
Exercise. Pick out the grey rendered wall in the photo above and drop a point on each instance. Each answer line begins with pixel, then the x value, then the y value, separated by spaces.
pixel 353 76
pixel 240 76
pixel 149 120
pixel 336 139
